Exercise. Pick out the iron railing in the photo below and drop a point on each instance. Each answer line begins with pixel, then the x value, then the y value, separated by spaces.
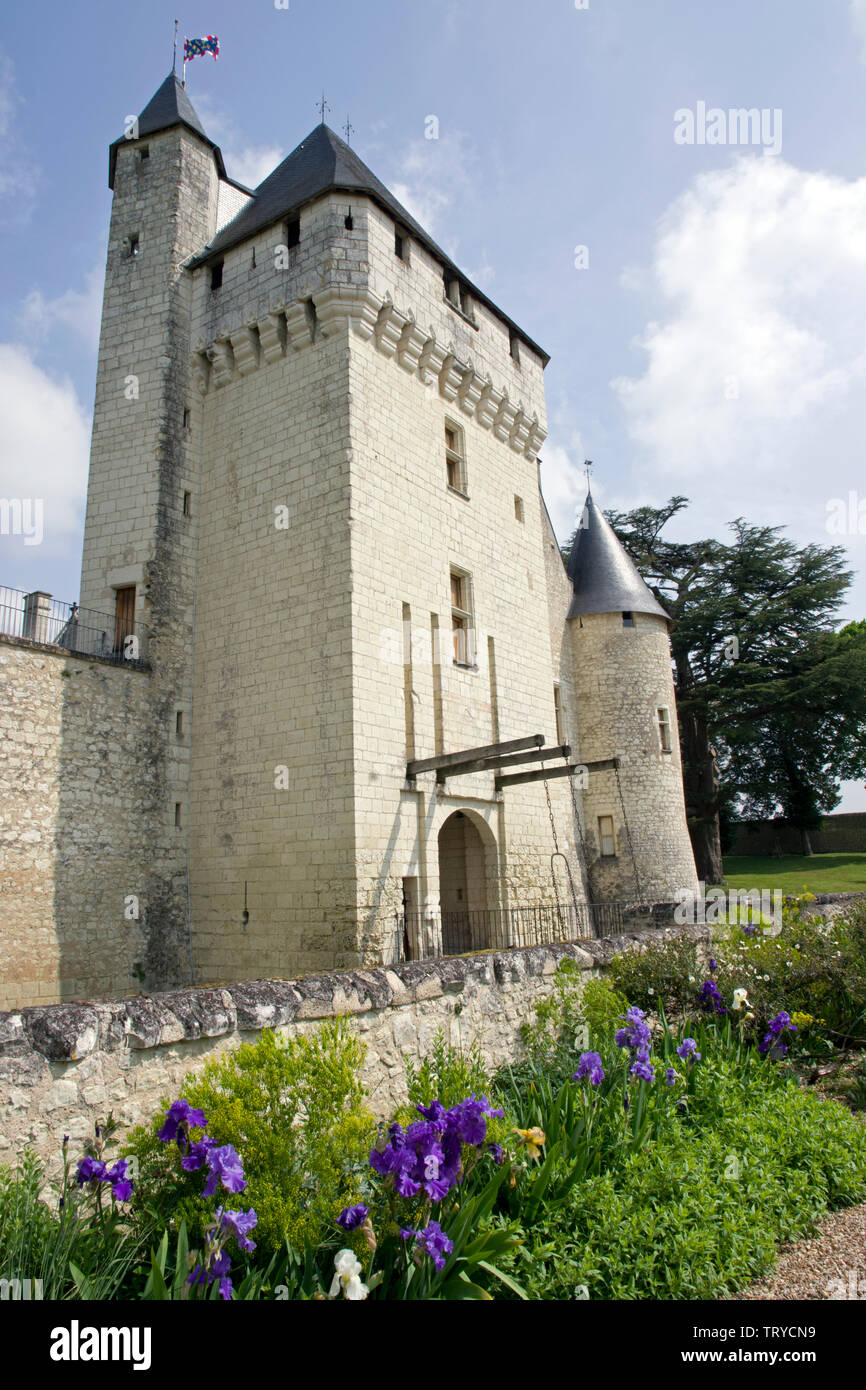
pixel 422 936
pixel 40 618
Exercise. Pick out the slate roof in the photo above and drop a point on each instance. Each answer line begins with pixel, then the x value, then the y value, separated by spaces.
pixel 604 577
pixel 169 106
pixel 324 163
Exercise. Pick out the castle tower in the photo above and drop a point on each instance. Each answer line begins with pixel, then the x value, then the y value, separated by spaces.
pixel 139 544
pixel 635 820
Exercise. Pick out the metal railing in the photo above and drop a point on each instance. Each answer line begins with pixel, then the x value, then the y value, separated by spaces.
pixel 38 617
pixel 423 936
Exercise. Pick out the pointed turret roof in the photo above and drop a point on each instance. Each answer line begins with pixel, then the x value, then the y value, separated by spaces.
pixel 323 163
pixel 603 576
pixel 169 106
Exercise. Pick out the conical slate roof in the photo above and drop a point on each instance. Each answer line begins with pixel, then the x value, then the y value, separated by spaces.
pixel 603 576
pixel 169 106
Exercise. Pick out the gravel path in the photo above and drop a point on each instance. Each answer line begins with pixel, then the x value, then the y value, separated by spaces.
pixel 830 1265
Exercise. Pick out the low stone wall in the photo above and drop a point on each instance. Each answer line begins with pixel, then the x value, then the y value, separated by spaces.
pixel 844 833
pixel 63 1067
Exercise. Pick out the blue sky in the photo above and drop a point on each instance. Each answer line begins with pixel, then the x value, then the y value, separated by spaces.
pixel 710 344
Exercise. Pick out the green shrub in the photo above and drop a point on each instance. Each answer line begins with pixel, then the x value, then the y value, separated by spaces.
pixel 574 1015
pixel 296 1113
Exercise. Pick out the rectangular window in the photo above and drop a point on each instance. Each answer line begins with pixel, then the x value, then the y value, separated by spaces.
pixel 606 839
pixel 628 619
pixel 557 709
pixel 293 232
pixel 124 615
pixel 455 458
pixel 132 245
pixel 144 152
pixel 187 503
pixel 514 344
pixel 216 275
pixel 518 509
pixel 461 618
pixel 663 716
pixel 178 724
pixel 400 244
pixel 177 820
pixel 186 417
pixel 466 302
pixel 452 290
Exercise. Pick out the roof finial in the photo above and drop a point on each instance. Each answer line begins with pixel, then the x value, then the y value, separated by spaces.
pixel 323 106
pixel 348 129
pixel 587 469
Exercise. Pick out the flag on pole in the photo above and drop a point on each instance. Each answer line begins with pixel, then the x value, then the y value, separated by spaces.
pixel 197 48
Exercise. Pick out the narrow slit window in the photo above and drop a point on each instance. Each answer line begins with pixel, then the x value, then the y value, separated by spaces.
pixel 124 616
pixel 216 276
pixel 455 457
pixel 177 814
pixel 144 153
pixel 293 232
pixel 400 244
pixel 518 509
pixel 178 724
pixel 607 843
pixel 187 503
pixel 557 710
pixel 515 348
pixel 132 245
pixel 663 716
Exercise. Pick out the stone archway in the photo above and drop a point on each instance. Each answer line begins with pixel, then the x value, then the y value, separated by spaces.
pixel 463 886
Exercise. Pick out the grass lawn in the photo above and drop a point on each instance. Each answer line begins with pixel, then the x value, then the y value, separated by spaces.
pixel 821 873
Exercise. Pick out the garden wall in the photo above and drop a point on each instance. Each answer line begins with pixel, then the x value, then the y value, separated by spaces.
pixel 65 1066
pixel 841 834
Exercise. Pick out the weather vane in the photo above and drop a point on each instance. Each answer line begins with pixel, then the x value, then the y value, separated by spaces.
pixel 587 471
pixel 348 129
pixel 322 106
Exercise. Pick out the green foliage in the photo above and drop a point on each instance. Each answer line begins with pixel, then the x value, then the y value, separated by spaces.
pixel 296 1113
pixel 574 1015
pixel 663 974
pixel 697 1206
pixel 74 1250
pixel 447 1074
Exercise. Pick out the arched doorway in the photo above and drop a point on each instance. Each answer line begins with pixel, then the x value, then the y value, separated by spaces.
pixel 463 886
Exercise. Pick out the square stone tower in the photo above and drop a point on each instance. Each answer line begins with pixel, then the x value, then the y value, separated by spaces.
pixel 315 464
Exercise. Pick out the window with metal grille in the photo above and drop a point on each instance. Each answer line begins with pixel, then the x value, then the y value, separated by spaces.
pixel 607 843
pixel 124 615
pixel 461 618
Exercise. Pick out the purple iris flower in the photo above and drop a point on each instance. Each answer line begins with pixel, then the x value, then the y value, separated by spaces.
pixel 713 966
pixel 239 1224
pixel 709 998
pixel 225 1167
pixel 637 1034
pixel 434 1242
pixel 770 1041
pixel 181 1117
pixel 642 1068
pixel 688 1050
pixel 589 1064
pixel 351 1218
pixel 219 1269
pixel 121 1186
pixel 197 1155
pixel 91 1170
pixel 496 1153
pixel 671 1077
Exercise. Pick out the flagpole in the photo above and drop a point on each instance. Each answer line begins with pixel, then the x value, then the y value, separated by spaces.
pixel 184 61
pixel 174 55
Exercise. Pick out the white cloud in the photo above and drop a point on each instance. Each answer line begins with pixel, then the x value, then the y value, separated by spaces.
pixel 18 172
pixel 431 178
pixel 858 24
pixel 250 164
pixel 79 310
pixel 46 441
pixel 752 398
pixel 563 485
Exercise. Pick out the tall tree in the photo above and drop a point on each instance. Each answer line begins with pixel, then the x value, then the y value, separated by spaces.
pixel 754 659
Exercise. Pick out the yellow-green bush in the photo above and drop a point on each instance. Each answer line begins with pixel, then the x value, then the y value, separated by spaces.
pixel 295 1111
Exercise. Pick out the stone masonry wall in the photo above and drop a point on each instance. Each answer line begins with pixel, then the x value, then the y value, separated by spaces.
pixel 62 1068
pixel 77 795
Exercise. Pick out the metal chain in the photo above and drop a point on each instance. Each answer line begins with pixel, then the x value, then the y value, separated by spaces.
pixel 637 883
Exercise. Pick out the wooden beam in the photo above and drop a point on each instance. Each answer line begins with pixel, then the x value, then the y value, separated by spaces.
pixel 490 764
pixel 601 765
pixel 472 755
pixel 541 775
